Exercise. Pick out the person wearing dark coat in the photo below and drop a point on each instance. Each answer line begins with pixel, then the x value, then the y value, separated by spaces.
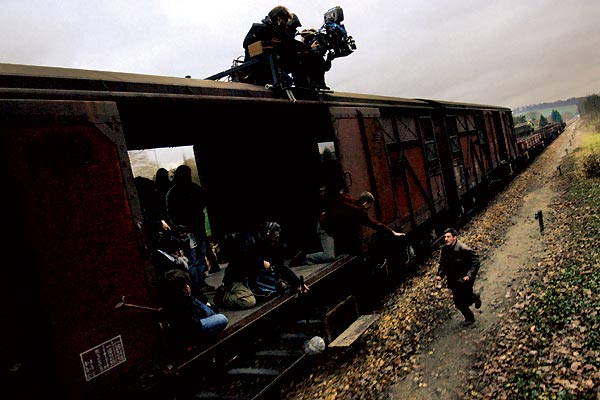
pixel 191 319
pixel 153 210
pixel 254 251
pixel 272 31
pixel 339 227
pixel 186 202
pixel 163 184
pixel 459 264
pixel 294 61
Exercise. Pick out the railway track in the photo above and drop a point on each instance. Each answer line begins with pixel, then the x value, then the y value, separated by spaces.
pixel 254 368
pixel 257 366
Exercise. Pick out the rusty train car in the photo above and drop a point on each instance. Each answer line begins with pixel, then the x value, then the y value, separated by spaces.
pixel 75 246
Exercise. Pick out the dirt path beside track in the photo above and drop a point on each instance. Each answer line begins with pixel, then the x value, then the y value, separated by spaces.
pixel 442 370
pixel 418 349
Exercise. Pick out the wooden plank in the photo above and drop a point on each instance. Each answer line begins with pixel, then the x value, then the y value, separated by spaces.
pixel 340 317
pixel 354 331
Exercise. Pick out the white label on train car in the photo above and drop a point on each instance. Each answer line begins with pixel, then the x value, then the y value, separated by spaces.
pixel 103 357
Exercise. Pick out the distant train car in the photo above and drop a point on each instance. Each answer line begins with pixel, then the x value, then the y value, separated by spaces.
pixel 532 141
pixel 76 247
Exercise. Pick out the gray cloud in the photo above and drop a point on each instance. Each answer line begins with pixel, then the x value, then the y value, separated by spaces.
pixel 504 52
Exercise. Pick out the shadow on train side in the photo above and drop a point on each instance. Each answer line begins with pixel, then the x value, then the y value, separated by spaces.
pixel 75 247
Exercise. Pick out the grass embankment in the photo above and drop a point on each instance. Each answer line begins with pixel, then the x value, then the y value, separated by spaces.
pixel 549 345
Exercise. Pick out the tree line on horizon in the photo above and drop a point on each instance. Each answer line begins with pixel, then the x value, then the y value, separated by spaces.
pixel 555 104
pixel 555 116
pixel 588 106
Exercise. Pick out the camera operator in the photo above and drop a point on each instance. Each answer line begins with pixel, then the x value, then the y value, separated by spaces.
pixel 273 30
pixel 317 57
pixel 302 61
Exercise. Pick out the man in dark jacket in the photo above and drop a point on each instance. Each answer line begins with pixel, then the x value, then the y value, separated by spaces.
pixel 459 264
pixel 191 319
pixel 293 57
pixel 255 270
pixel 256 251
pixel 273 32
pixel 339 227
pixel 186 202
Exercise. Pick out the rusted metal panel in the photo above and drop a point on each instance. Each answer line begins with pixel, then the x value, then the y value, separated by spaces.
pixel 81 250
pixel 387 155
pixel 492 140
pixel 381 176
pixel 351 146
pixel 508 132
pixel 419 185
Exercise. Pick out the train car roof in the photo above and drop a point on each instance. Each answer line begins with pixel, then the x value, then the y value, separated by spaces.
pixel 458 105
pixel 14 77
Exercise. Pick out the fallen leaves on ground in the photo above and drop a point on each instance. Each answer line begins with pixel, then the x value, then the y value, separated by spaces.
pixel 547 341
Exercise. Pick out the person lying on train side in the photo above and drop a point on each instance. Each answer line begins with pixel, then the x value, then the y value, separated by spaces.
pixel 255 264
pixel 339 227
pixel 190 318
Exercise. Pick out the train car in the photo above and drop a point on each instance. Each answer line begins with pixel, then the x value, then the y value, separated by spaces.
pixel 76 251
pixel 533 141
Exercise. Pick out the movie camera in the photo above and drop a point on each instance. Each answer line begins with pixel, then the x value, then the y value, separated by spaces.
pixel 332 37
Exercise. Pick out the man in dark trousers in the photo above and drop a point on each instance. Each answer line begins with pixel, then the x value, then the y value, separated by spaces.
pixel 459 264
pixel 292 57
pixel 339 227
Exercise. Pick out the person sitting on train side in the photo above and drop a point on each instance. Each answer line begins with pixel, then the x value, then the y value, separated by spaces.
pixel 190 318
pixel 255 266
pixel 339 228
pixel 273 248
pixel 171 254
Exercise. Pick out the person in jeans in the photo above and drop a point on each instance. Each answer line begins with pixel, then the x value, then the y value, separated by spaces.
pixel 256 262
pixel 190 318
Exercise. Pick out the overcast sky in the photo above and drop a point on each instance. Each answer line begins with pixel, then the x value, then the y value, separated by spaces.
pixel 506 52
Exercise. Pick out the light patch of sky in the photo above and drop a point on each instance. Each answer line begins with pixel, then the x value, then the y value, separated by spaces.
pixel 168 158
pixel 544 50
pixel 171 157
